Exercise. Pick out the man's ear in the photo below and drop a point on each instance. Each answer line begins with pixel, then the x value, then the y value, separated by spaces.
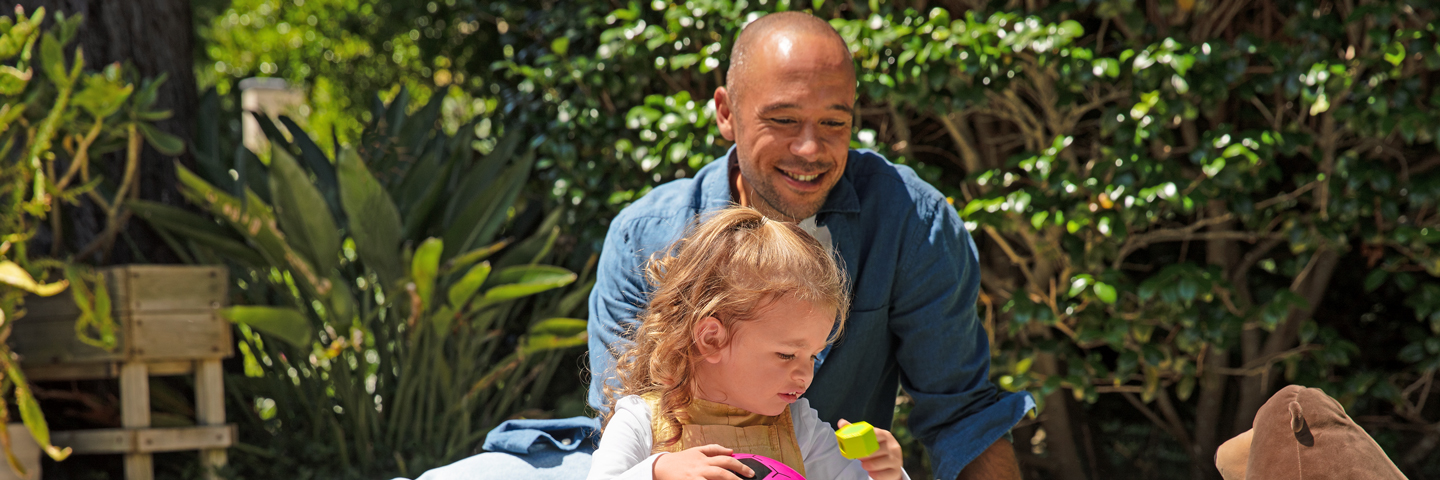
pixel 710 338
pixel 724 116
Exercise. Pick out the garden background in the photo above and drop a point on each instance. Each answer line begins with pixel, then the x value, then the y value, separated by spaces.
pixel 1180 205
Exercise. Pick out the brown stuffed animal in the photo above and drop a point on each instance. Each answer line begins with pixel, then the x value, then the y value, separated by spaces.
pixel 1303 434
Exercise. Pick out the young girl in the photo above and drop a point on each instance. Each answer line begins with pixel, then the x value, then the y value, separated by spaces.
pixel 722 355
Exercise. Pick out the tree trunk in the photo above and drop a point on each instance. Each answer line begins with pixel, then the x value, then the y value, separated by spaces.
pixel 156 37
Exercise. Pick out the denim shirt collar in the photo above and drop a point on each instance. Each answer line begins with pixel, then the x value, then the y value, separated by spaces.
pixel 715 189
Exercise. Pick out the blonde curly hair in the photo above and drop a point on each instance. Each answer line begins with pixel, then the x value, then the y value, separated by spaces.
pixel 730 266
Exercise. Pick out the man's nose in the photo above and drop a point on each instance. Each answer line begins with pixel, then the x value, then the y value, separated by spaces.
pixel 807 145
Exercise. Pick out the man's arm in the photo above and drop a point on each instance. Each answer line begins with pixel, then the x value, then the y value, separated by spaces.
pixel 943 349
pixel 995 463
pixel 618 296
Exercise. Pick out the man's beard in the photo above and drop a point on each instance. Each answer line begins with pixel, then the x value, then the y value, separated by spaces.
pixel 766 195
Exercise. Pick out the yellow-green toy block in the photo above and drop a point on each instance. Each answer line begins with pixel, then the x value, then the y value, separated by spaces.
pixel 857 440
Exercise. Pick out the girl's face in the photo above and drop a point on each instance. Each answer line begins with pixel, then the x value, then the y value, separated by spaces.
pixel 768 361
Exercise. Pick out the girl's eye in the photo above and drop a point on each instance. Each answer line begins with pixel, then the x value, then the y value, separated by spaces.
pixel 785 356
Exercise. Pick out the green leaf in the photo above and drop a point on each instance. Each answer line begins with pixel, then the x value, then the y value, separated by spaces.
pixel 12 274
pixel 374 220
pixel 424 267
pixel 524 280
pixel 102 97
pixel 558 326
pixel 163 142
pixel 13 80
pixel 554 334
pixel 560 46
pixel 286 324
pixel 1375 278
pixel 31 415
pixel 302 214
pixel 1105 291
pixel 52 59
pixel 466 287
pixel 198 229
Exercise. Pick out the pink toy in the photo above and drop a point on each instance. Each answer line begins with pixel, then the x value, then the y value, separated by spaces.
pixel 767 468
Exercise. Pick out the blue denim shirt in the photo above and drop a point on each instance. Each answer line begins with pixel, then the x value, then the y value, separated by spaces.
pixel 915 278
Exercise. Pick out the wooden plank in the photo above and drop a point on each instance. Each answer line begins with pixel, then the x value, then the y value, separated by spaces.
pixel 132 441
pixel 210 411
pixel 47 372
pixel 170 287
pixel 26 450
pixel 179 335
pixel 135 413
pixel 52 340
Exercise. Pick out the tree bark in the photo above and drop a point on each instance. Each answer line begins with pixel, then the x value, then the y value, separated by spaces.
pixel 156 37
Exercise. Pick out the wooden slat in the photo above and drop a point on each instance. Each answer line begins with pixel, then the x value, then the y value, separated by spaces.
pixel 47 372
pixel 194 334
pixel 170 287
pixel 135 413
pixel 210 411
pixel 145 440
pixel 52 340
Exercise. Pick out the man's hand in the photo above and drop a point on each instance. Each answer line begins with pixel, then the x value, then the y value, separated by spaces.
pixel 710 462
pixel 888 462
pixel 997 462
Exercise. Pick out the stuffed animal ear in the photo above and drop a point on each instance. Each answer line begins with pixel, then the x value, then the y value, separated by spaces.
pixel 1300 426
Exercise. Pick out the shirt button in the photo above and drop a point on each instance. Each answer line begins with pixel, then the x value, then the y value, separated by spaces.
pixel 565 441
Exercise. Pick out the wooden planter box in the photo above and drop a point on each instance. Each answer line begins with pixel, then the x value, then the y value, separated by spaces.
pixel 26 450
pixel 167 323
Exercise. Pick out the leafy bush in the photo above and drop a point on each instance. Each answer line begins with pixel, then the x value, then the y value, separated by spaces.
pixel 54 119
pixel 377 337
pixel 1163 196
pixel 1179 204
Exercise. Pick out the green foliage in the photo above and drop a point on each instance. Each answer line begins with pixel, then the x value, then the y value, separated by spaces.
pixel 52 122
pixel 1178 204
pixel 370 342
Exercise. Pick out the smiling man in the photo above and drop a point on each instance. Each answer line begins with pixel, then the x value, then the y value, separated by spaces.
pixel 788 107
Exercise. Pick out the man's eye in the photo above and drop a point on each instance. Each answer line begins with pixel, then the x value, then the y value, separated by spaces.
pixel 785 356
pixel 782 121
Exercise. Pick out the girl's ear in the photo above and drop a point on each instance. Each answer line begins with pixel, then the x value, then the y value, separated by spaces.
pixel 710 338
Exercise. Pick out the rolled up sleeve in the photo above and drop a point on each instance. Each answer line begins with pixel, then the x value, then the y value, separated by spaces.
pixel 943 350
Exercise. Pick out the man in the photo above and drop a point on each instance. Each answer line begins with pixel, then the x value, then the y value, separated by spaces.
pixel 788 107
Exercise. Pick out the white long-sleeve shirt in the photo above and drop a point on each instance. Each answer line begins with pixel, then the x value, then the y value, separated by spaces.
pixel 624 452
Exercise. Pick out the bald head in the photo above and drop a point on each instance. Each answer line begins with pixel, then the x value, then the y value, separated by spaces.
pixel 776 37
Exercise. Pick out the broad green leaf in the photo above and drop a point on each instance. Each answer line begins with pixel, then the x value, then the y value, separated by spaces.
pixel 424 267
pixel 560 45
pixel 524 280
pixel 554 334
pixel 286 324
pixel 558 326
pixel 466 287
pixel 302 213
pixel 374 221
pixel 469 258
pixel 254 220
pixel 163 142
pixel 12 274
pixel 200 230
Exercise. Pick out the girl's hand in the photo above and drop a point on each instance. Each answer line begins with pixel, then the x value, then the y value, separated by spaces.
pixel 710 462
pixel 887 463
